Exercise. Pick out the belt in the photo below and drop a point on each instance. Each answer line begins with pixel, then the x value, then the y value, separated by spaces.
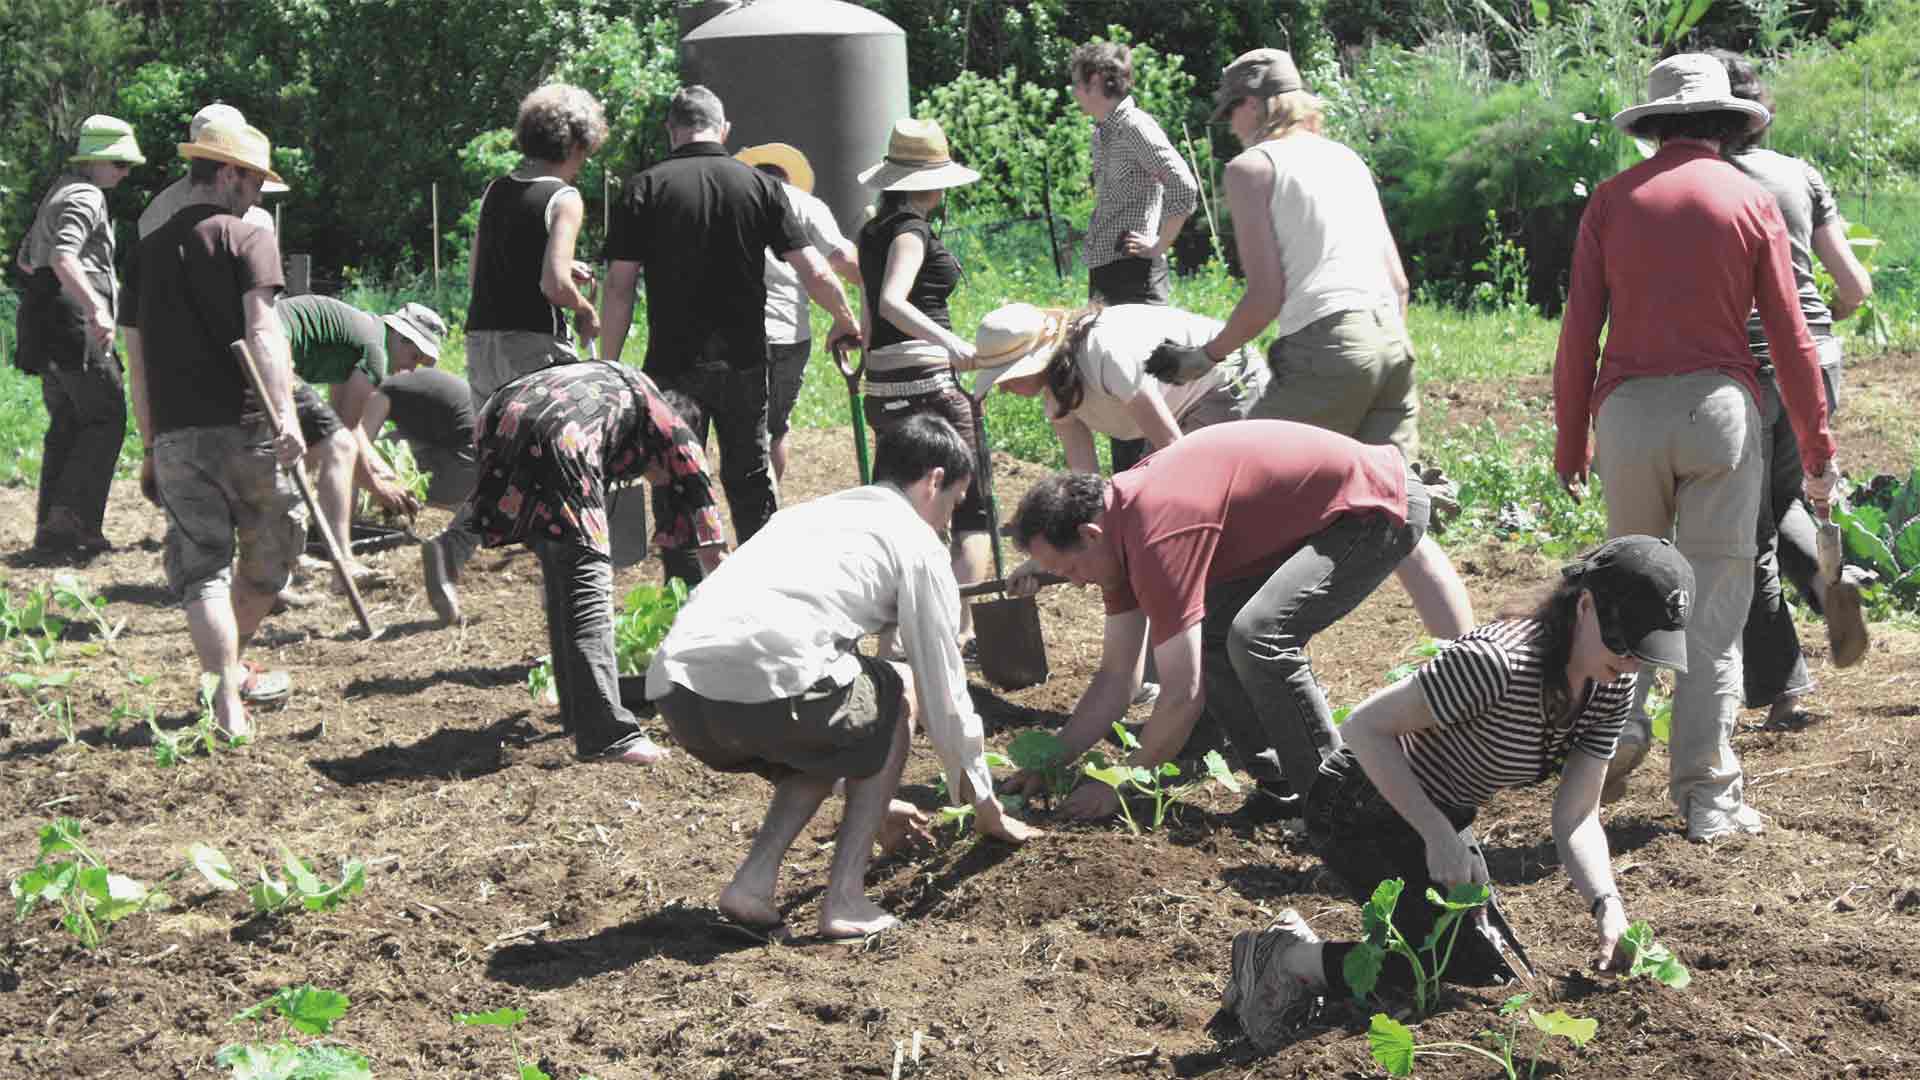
pixel 935 383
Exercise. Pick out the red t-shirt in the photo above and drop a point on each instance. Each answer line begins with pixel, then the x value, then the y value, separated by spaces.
pixel 1233 500
pixel 1672 256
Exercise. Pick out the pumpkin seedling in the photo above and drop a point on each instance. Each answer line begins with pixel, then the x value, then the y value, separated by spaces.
pixel 91 897
pixel 1363 962
pixel 1653 960
pixel 1394 1049
pixel 310 1011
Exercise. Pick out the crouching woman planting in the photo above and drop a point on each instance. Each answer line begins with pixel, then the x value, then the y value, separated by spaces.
pixel 1534 694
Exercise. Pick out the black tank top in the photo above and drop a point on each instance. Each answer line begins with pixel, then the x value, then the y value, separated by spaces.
pixel 513 245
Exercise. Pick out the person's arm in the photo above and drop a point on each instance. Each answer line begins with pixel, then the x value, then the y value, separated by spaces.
pixel 1156 421
pixel 1852 285
pixel 1122 658
pixel 142 412
pixel 673 461
pixel 1249 184
pixel 1578 358
pixel 1583 849
pixel 904 258
pixel 1077 440
pixel 845 261
pixel 824 289
pixel 1372 733
pixel 349 399
pixel 1174 713
pixel 1179 191
pixel 1796 365
pixel 73 281
pixel 556 267
pixel 616 315
pixel 267 342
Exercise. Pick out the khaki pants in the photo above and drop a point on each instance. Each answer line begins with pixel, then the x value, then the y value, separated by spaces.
pixel 1679 455
pixel 1351 372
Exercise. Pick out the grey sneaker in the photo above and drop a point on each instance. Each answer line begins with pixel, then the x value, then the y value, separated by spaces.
pixel 1267 1000
pixel 440 590
pixel 1627 757
pixel 1706 824
pixel 1141 707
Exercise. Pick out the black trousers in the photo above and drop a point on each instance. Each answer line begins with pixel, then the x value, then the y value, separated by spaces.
pixel 86 425
pixel 578 583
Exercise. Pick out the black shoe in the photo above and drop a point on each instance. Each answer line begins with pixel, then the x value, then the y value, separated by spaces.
pixel 1272 803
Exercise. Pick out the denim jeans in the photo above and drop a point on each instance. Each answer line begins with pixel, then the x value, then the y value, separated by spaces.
pixel 1254 637
pixel 731 401
pixel 578 584
pixel 86 423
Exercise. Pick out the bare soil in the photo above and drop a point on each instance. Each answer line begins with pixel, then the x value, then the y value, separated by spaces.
pixel 502 873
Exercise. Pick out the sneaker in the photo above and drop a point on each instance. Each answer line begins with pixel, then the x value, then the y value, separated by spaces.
pixel 1148 693
pixel 440 591
pixel 1274 804
pixel 1846 626
pixel 1706 824
pixel 263 687
pixel 1627 756
pixel 1261 993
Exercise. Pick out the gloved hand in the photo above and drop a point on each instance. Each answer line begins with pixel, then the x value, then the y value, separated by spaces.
pixel 1179 364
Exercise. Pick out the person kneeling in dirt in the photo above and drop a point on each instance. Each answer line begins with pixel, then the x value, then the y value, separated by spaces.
pixel 1542 691
pixel 759 672
pixel 433 412
pixel 551 442
pixel 1237 543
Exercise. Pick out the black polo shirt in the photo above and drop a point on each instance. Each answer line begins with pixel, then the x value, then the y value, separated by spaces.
pixel 698 223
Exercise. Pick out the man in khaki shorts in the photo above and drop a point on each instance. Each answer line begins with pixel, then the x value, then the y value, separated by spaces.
pixel 200 281
pixel 759 673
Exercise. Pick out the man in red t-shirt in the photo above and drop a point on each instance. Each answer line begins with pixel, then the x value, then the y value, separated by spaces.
pixel 1227 552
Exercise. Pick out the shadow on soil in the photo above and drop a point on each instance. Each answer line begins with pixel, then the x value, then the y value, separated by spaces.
pixel 126 592
pixel 677 932
pixel 448 754
pixel 484 678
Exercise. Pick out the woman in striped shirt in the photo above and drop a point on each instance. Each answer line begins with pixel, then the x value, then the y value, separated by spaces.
pixel 1533 695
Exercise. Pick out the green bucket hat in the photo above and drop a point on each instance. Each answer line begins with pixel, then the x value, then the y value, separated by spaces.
pixel 106 138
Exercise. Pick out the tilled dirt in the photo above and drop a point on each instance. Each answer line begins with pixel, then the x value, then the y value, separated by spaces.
pixel 502 873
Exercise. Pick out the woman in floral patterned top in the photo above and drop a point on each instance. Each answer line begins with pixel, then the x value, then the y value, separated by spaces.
pixel 549 443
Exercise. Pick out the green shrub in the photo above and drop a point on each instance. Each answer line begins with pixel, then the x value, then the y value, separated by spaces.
pixel 1855 110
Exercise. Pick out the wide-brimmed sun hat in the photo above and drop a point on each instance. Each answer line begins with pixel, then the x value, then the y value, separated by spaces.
pixel 1690 83
pixel 1014 341
pixel 1262 73
pixel 242 145
pixel 788 159
pixel 419 324
pixel 917 160
pixel 222 113
pixel 1642 595
pixel 106 138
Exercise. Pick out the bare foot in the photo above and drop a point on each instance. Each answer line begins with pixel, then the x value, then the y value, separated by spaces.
pixel 746 908
pixel 233 723
pixel 854 920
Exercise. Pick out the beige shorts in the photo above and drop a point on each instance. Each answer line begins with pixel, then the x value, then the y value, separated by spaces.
pixel 497 357
pixel 225 495
pixel 1351 372
pixel 829 730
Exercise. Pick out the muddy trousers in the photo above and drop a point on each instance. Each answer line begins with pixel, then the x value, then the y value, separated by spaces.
pixel 86 423
pixel 578 586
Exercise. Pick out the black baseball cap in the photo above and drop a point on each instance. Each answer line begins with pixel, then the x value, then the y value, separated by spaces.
pixel 1642 592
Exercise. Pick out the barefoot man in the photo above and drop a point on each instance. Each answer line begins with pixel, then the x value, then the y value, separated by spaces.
pixel 759 673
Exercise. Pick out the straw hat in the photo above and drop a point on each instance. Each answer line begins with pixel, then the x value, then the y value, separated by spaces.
pixel 221 113
pixel 419 324
pixel 917 160
pixel 105 138
pixel 1014 341
pixel 788 159
pixel 240 145
pixel 1690 83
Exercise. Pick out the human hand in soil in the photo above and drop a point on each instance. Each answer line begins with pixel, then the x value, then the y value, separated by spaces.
pixel 905 824
pixel 1614 955
pixel 990 820
pixel 1450 861
pixel 1091 802
pixel 1025 783
pixel 386 490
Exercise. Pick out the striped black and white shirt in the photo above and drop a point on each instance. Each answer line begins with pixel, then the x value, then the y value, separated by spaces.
pixel 1492 728
pixel 1139 181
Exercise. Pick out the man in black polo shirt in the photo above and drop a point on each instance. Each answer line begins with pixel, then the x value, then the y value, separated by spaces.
pixel 699 223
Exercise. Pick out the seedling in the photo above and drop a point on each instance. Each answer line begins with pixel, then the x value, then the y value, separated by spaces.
pixel 957 815
pixel 398 456
pixel 1394 1049
pixel 1652 960
pixel 71 592
pixel 128 711
pixel 170 746
pixel 310 1011
pixel 1043 754
pixel 648 614
pixel 32 625
pixel 1156 783
pixel 49 697
pixel 1363 962
pixel 273 893
pixel 540 685
pixel 506 1018
pixel 1427 649
pixel 91 897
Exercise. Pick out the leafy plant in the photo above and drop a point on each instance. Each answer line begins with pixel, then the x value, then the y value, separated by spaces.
pixel 1369 955
pixel 397 454
pixel 1043 754
pixel 91 897
pixel 1394 1049
pixel 128 710
pixel 540 685
pixel 169 747
pixel 72 593
pixel 48 693
pixel 958 815
pixel 1882 533
pixel 33 625
pixel 1425 650
pixel 646 616
pixel 1505 266
pixel 273 893
pixel 1652 960
pixel 1156 783
pixel 507 1018
pixel 310 1011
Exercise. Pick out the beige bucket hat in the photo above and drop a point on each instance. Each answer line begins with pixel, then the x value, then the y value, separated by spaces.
pixel 222 113
pixel 1690 83
pixel 917 160
pixel 106 138
pixel 1014 341
pixel 787 158
pixel 232 144
pixel 419 324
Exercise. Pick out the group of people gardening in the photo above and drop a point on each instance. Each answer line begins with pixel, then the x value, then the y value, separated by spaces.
pixel 1254 501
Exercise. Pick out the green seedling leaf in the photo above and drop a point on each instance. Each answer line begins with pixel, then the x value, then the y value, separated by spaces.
pixel 1377 915
pixel 1362 968
pixel 1112 775
pixel 1168 770
pixel 269 895
pixel 62 835
pixel 24 681
pixel 1036 750
pixel 300 872
pixel 213 866
pixel 285 1061
pixel 1125 736
pixel 1462 897
pixel 1218 771
pixel 311 1011
pixel 124 897
pixel 1576 1030
pixel 353 881
pixel 530 1071
pixel 996 760
pixel 503 1017
pixel 1654 960
pixel 1392 1044
pixel 1512 1004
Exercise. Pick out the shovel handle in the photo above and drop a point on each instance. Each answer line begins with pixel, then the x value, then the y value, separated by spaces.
pixel 999 585
pixel 851 372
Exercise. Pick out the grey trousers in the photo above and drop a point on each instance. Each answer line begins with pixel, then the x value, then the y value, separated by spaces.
pixel 86 423
pixel 578 584
pixel 1260 689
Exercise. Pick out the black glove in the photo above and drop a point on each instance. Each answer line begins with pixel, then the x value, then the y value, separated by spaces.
pixel 1179 364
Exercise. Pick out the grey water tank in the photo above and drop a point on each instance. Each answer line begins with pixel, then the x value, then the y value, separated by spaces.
pixel 825 76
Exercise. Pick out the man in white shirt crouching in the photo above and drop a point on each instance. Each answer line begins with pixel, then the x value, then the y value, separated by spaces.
pixel 760 672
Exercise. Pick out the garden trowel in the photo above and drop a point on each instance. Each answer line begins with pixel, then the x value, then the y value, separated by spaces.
pixel 1827 545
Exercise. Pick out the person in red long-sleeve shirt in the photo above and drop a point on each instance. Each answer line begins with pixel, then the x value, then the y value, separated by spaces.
pixel 1671 257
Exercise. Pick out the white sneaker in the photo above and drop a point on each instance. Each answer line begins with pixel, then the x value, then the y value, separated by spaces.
pixel 1706 824
pixel 1261 993
pixel 1141 707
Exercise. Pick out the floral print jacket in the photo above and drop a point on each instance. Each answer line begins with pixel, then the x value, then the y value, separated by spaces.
pixel 551 441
